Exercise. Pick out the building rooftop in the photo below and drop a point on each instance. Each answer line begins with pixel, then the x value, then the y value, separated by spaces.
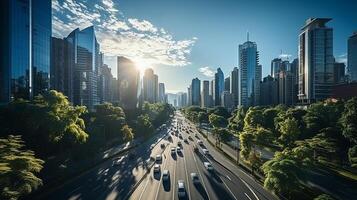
pixel 320 22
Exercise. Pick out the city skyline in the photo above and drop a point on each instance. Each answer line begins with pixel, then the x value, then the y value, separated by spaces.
pixel 190 46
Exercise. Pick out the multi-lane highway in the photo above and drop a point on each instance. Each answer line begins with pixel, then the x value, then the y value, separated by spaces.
pixel 222 183
pixel 131 176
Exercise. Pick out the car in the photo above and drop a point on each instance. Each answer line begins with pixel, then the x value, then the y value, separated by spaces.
pixel 189 137
pixel 194 178
pixel 156 168
pixel 196 135
pixel 208 166
pixel 199 142
pixel 195 148
pixel 185 140
pixel 165 175
pixel 173 150
pixel 179 143
pixel 158 158
pixel 205 151
pixel 162 145
pixel 178 150
pixel 181 191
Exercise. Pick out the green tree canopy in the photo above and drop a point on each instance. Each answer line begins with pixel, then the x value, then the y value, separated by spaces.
pixel 289 131
pixel 17 168
pixel 349 120
pixel 217 120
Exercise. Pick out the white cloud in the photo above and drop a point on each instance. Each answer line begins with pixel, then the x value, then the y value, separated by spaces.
pixel 285 56
pixel 142 25
pixel 207 71
pixel 342 58
pixel 137 39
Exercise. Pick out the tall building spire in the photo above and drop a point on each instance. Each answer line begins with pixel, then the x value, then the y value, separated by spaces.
pixel 247 36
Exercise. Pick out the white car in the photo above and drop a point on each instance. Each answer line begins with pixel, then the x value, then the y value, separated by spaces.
pixel 173 150
pixel 205 151
pixel 156 168
pixel 178 149
pixel 158 158
pixel 195 179
pixel 181 191
pixel 199 142
pixel 165 175
pixel 208 166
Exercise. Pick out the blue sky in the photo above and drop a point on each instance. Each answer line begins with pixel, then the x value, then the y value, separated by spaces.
pixel 184 39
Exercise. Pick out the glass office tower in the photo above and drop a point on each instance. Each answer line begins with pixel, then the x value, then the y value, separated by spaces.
pixel 249 75
pixel 316 61
pixel 26 63
pixel 86 60
pixel 218 86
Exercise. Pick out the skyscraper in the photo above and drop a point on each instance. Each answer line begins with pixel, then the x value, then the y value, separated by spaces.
pixel 275 67
pixel 105 84
pixel 86 61
pixel 205 102
pixel 315 61
pixel 162 92
pixel 269 91
pixel 149 86
pixel 62 67
pixel 227 100
pixel 227 84
pixel 339 72
pixel 189 96
pixel 234 85
pixel 218 86
pixel 25 52
pixel 352 57
pixel 196 92
pixel 249 75
pixel 286 87
pixel 128 83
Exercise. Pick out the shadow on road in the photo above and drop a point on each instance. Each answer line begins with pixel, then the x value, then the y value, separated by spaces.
pixel 201 190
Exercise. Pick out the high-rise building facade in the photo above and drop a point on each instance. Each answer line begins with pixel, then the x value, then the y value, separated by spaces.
pixel 128 83
pixel 86 61
pixel 227 100
pixel 26 48
pixel 339 72
pixel 205 97
pixel 227 84
pixel 105 84
pixel 218 86
pixel 352 57
pixel 276 66
pixel 315 61
pixel 269 91
pixel 234 89
pixel 196 92
pixel 162 93
pixel 150 86
pixel 249 75
pixel 62 67
pixel 286 84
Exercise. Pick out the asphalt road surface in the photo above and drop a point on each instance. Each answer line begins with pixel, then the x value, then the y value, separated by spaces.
pixel 132 177
pixel 222 183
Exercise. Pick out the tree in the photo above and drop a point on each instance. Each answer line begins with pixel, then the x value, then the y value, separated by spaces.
pixel 352 156
pixel 253 118
pixel 324 197
pixel 128 134
pixel 17 168
pixel 289 132
pixel 263 136
pixel 246 140
pixel 221 111
pixel 281 175
pixel 236 122
pixel 221 134
pixel 202 117
pixel 255 161
pixel 349 120
pixel 217 120
pixel 144 126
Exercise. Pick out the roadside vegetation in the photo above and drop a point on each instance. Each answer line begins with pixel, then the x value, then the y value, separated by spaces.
pixel 48 132
pixel 320 136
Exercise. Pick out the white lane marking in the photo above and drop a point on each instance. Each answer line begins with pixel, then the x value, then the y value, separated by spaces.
pixel 188 184
pixel 203 183
pixel 228 178
pixel 146 184
pixel 247 196
pixel 249 188
pixel 229 190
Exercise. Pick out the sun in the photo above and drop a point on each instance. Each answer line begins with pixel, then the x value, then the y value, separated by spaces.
pixel 141 66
